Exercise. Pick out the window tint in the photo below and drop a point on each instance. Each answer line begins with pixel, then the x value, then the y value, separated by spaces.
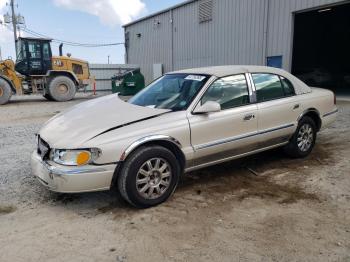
pixel 229 92
pixel 287 87
pixel 268 87
pixel 34 50
pixel 46 51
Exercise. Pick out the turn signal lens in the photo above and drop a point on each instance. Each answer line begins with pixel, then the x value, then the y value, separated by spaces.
pixel 83 158
pixel 74 157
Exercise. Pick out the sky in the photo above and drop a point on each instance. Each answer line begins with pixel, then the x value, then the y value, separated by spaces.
pixel 82 21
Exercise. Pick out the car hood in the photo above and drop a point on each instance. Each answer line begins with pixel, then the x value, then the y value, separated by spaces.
pixel 71 128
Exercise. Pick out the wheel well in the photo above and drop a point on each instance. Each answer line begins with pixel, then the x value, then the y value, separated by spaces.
pixel 166 144
pixel 314 115
pixel 63 73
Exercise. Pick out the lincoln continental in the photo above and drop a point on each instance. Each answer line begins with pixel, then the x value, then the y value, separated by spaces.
pixel 183 121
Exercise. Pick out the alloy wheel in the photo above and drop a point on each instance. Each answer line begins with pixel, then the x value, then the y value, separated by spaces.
pixel 305 137
pixel 153 178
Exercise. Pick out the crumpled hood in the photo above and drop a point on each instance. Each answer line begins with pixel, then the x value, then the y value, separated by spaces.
pixel 71 128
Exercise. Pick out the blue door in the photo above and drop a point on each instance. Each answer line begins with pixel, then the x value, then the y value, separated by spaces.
pixel 274 61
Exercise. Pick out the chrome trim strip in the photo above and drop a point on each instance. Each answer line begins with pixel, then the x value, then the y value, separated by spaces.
pixel 235 138
pixel 307 111
pixel 224 141
pixel 251 81
pixel 232 158
pixel 252 96
pixel 331 113
pixel 146 139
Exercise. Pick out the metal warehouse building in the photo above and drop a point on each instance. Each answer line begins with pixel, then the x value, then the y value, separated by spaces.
pixel 310 38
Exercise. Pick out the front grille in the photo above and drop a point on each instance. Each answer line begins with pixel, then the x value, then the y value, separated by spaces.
pixel 43 148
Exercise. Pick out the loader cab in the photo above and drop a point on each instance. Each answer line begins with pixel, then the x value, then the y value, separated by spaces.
pixel 34 56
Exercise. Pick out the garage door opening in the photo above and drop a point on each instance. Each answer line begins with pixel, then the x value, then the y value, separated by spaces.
pixel 321 48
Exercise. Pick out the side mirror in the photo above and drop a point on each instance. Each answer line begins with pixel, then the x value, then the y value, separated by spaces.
pixel 208 107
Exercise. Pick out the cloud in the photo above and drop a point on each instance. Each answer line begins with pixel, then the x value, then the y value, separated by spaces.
pixel 110 12
pixel 2 4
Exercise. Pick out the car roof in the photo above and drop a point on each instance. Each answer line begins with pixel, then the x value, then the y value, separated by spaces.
pixel 227 70
pixel 221 71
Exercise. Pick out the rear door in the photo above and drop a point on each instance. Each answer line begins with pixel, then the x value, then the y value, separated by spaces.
pixel 232 131
pixel 278 108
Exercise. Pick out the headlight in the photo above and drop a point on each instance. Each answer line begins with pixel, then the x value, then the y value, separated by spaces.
pixel 74 157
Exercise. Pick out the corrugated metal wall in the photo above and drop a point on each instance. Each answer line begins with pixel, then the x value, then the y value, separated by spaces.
pixel 103 74
pixel 241 32
pixel 280 25
pixel 152 46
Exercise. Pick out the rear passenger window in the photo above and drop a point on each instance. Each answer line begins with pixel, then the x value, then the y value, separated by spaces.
pixel 229 92
pixel 270 87
pixel 287 87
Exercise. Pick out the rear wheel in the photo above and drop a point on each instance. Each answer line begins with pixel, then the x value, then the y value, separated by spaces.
pixel 303 140
pixel 149 176
pixel 61 89
pixel 5 92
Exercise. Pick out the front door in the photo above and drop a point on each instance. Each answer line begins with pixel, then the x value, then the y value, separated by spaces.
pixel 232 131
pixel 35 58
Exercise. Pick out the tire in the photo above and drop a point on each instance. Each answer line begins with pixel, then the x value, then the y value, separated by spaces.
pixel 61 89
pixel 5 92
pixel 157 181
pixel 303 140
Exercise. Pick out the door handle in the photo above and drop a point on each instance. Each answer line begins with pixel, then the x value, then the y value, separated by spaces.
pixel 296 106
pixel 248 117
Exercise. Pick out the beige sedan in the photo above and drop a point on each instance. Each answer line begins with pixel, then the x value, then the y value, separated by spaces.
pixel 183 121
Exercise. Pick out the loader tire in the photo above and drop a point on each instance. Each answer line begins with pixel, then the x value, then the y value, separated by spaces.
pixel 5 92
pixel 61 89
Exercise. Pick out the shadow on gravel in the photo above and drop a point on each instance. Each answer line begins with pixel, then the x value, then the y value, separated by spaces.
pixel 7 209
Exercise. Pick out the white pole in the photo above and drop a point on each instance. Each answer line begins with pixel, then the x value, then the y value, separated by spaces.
pixel 14 23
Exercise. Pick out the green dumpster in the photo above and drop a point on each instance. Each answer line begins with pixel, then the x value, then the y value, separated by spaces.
pixel 127 82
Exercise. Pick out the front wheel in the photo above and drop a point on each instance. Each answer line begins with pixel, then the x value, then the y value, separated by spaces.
pixel 5 92
pixel 149 176
pixel 303 140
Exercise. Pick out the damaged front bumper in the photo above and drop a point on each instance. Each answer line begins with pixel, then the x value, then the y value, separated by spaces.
pixel 72 179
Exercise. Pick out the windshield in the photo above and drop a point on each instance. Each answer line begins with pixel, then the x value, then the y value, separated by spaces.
pixel 174 91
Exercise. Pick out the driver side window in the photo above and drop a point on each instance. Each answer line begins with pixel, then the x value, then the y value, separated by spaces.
pixel 229 92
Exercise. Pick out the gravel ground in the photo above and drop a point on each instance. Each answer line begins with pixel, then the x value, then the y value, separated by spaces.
pixel 262 208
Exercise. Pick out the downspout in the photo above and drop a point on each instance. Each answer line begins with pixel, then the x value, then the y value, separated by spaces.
pixel 126 43
pixel 266 27
pixel 172 39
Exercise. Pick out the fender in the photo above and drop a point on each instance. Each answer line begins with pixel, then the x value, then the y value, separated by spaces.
pixel 8 80
pixel 147 139
pixel 72 74
pixel 314 110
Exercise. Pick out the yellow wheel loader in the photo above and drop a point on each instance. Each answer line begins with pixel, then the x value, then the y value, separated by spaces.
pixel 36 71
